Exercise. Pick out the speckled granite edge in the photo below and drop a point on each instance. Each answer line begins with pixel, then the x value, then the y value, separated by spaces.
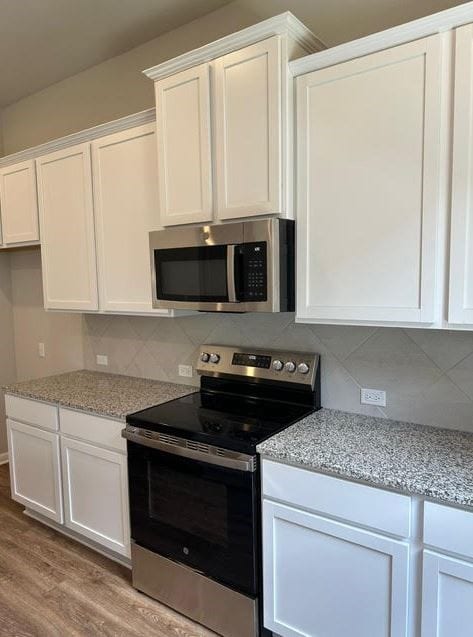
pixel 102 394
pixel 413 459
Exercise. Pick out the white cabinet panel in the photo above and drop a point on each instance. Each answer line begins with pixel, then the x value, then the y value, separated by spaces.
pixel 327 579
pixel 126 209
pixel 447 598
pixel 368 178
pixel 184 153
pixel 19 204
pixel 96 494
pixel 248 130
pixel 67 229
pixel 32 412
pixel 460 309
pixel 35 469
pixel 449 529
pixel 360 504
pixel 94 429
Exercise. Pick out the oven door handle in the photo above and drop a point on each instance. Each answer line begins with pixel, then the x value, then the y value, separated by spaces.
pixel 212 455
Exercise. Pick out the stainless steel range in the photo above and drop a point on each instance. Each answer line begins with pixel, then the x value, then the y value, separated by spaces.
pixel 195 484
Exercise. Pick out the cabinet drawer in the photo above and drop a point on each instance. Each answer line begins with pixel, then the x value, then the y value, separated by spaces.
pixel 360 504
pixel 32 411
pixel 448 528
pixel 95 429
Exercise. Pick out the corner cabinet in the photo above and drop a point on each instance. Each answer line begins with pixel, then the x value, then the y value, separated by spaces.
pixel 67 229
pixel 18 205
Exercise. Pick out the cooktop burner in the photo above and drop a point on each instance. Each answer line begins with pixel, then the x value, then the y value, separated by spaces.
pixel 245 398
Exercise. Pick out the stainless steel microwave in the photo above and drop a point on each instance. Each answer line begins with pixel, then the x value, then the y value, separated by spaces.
pixel 235 267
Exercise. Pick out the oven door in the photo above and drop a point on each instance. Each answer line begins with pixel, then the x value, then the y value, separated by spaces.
pixel 200 514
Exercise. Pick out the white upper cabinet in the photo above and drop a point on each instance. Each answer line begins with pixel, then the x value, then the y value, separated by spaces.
pixel 368 136
pixel 67 229
pixel 184 153
pixel 19 204
pixel 126 203
pixel 460 309
pixel 247 114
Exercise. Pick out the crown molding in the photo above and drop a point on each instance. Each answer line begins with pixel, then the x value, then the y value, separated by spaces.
pixel 89 134
pixel 283 24
pixel 421 28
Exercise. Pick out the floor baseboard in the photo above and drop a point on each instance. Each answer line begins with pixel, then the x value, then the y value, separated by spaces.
pixel 4 458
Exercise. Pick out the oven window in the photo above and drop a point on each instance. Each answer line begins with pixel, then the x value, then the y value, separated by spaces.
pixel 192 274
pixel 188 503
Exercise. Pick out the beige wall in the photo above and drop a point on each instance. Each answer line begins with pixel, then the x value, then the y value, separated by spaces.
pixel 60 332
pixel 7 354
pixel 117 87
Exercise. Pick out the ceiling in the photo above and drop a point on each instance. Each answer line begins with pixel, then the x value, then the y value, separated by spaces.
pixel 45 41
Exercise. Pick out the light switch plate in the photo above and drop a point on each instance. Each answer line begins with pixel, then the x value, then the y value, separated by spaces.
pixel 373 397
pixel 102 359
pixel 185 370
pixel 41 350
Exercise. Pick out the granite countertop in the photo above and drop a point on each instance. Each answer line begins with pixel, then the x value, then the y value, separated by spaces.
pixel 414 459
pixel 103 394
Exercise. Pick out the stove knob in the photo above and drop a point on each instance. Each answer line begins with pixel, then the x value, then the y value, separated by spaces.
pixel 290 366
pixel 214 358
pixel 278 365
pixel 303 368
pixel 204 357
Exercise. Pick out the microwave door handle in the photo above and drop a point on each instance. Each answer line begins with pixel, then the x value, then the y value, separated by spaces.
pixel 231 282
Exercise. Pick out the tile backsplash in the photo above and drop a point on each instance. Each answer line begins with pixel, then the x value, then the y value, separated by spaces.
pixel 427 374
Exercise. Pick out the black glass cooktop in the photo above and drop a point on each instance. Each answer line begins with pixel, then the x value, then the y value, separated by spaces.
pixel 230 421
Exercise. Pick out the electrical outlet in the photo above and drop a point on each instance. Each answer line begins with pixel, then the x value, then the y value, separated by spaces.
pixel 41 350
pixel 373 397
pixel 102 359
pixel 185 370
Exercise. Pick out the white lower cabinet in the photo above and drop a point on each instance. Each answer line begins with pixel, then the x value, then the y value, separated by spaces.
pixel 35 469
pixel 447 596
pixel 323 578
pixel 96 494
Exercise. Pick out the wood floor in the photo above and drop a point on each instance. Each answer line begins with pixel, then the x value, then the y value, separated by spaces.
pixel 51 586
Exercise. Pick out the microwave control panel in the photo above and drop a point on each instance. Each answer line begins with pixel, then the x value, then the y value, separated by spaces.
pixel 254 267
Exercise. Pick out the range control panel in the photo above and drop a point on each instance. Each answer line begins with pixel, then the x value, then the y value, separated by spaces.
pixel 285 366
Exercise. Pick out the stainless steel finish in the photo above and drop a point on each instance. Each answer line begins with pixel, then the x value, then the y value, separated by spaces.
pixel 214 358
pixel 205 357
pixel 290 367
pixel 231 274
pixel 303 368
pixel 225 368
pixel 190 449
pixel 230 234
pixel 278 365
pixel 221 609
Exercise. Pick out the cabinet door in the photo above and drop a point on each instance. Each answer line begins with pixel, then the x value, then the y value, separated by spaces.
pixel 184 155
pixel 368 135
pixel 96 494
pixel 126 209
pixel 19 204
pixel 248 131
pixel 327 579
pixel 447 596
pixel 67 229
pixel 35 469
pixel 460 309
